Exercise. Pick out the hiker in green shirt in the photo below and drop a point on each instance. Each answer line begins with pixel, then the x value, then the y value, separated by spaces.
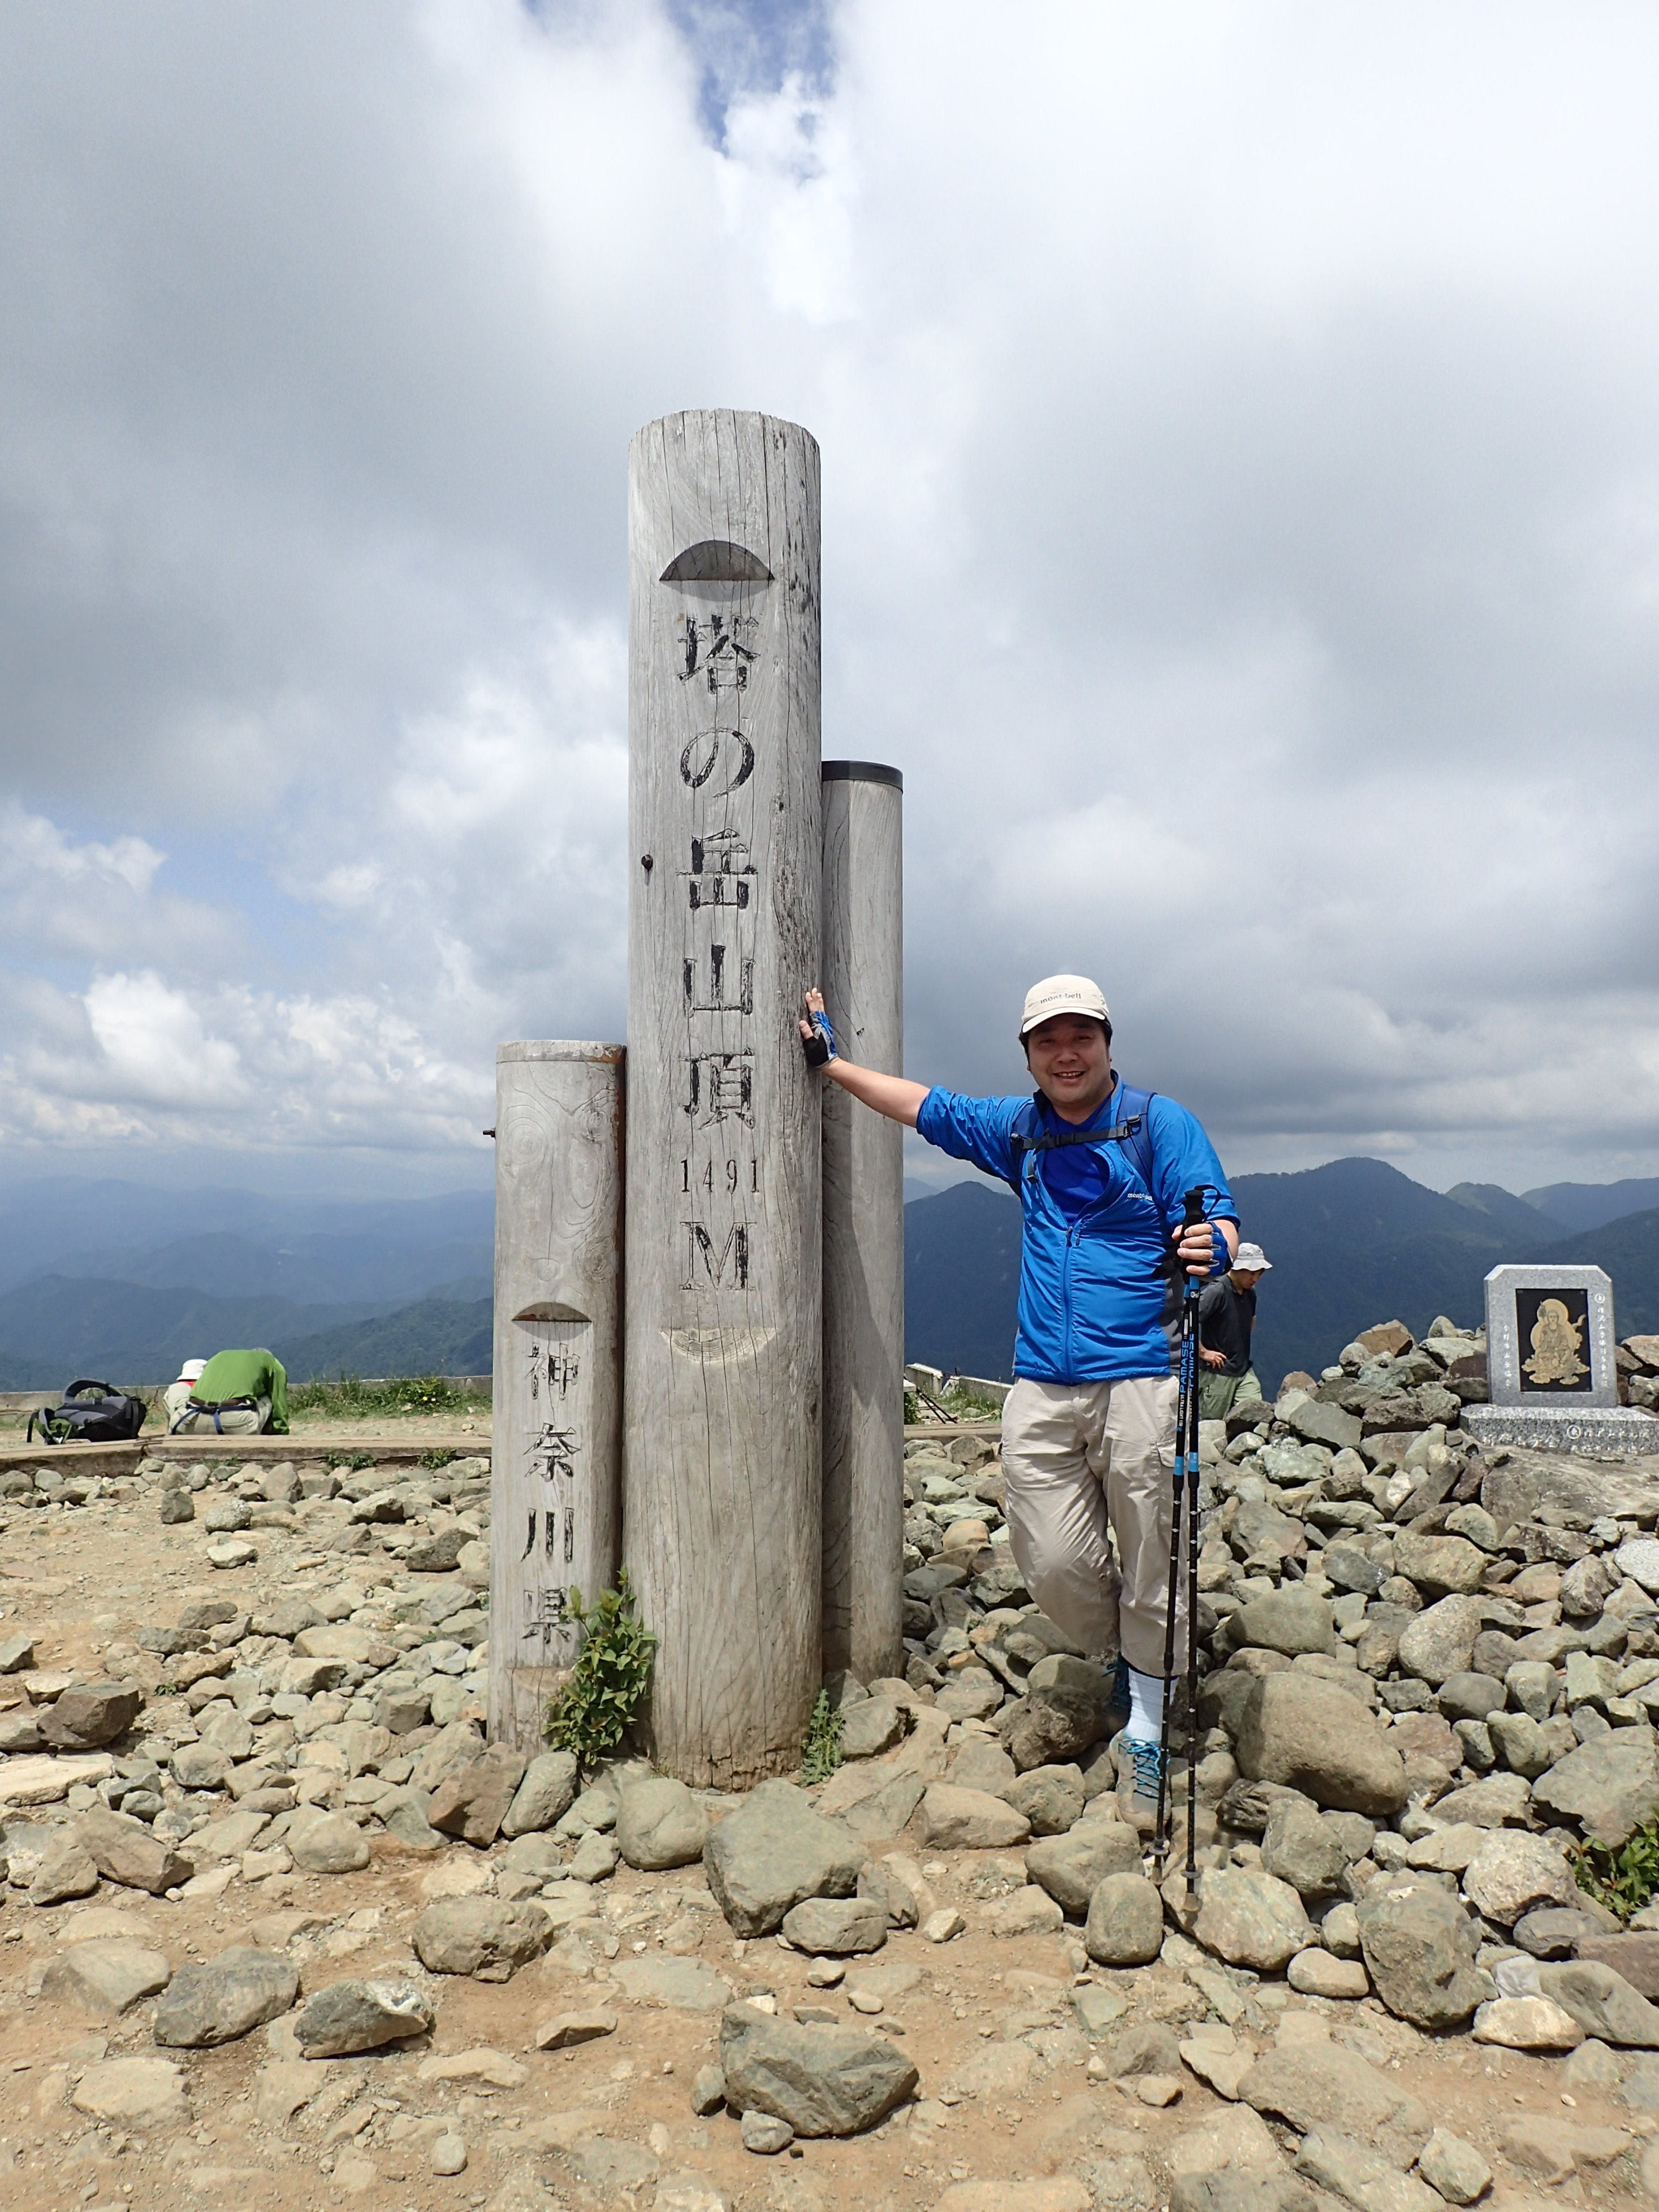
pixel 237 1394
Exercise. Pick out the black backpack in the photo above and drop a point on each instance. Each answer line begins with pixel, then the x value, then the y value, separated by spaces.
pixel 91 1413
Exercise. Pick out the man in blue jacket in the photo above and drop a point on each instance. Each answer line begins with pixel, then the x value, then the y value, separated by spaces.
pixel 1088 1429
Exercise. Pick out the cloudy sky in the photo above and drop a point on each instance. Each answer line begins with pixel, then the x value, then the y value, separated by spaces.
pixel 1240 460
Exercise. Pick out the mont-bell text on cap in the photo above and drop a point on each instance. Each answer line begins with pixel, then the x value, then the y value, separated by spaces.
pixel 1063 994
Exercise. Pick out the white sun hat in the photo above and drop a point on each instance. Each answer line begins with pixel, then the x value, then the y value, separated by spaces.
pixel 1062 994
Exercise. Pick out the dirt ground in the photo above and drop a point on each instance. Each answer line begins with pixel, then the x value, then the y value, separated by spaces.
pixel 1012 2087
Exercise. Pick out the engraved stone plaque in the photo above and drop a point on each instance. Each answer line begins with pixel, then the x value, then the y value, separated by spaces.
pixel 1549 1337
pixel 1550 1365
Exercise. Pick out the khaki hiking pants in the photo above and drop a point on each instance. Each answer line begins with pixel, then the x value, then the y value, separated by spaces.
pixel 1077 1458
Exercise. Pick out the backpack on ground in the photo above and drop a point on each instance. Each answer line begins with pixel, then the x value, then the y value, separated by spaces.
pixel 90 1414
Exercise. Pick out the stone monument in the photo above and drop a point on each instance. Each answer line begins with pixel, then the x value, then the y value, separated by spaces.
pixel 1551 1366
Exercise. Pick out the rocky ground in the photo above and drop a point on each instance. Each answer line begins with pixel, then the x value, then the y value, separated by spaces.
pixel 279 1928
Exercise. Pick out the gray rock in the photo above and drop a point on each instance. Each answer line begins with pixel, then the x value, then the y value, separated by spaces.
pixel 1348 1568
pixel 479 1936
pixel 871 1727
pixel 1317 1423
pixel 1125 1927
pixel 1062 1713
pixel 88 1715
pixel 225 1997
pixel 1520 1743
pixel 968 1693
pixel 1322 2085
pixel 596 1857
pixel 1554 1930
pixel 1250 1919
pixel 764 2135
pixel 836 1927
pixel 707 2091
pixel 1307 1735
pixel 348 2016
pixel 1050 1797
pixel 546 1795
pixel 225 1517
pixel 1602 2002
pixel 1440 1640
pixel 969 1821
pixel 1261 1531
pixel 106 1978
pixel 134 2093
pixel 1453 2168
pixel 659 1824
pixel 436 1554
pixel 1418 1948
pixel 1610 1786
pixel 1289 1621
pixel 327 1843
pixel 66 1870
pixel 473 1800
pixel 1470 1697
pixel 1439 1565
pixel 1222 2188
pixel 16 1652
pixel 678 1984
pixel 1513 1872
pixel 822 2081
pixel 981 1765
pixel 448 2154
pixel 772 1852
pixel 200 1766
pixel 1499 1801
pixel 1302 1848
pixel 176 1506
pixel 1633 1953
pixel 1142 2050
pixel 124 1851
pixel 1072 1867
pixel 1359 2176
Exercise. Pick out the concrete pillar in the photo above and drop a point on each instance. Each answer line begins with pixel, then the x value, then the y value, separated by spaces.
pixel 863 1227
pixel 720 1452
pixel 556 1518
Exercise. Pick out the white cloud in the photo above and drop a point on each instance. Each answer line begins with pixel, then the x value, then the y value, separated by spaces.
pixel 1241 435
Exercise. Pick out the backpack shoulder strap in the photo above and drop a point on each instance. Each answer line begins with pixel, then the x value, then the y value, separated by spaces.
pixel 1133 1109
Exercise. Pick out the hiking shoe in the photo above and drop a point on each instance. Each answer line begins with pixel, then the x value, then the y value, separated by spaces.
pixel 1139 1766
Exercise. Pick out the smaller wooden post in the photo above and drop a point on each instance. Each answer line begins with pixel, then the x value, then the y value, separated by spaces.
pixel 863 1227
pixel 556 1457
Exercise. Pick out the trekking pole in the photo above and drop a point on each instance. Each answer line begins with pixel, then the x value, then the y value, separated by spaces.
pixel 1189 1338
pixel 1186 1419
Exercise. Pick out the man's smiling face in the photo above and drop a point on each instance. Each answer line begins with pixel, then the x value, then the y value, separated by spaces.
pixel 1071 1063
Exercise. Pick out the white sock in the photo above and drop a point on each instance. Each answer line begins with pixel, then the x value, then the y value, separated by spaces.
pixel 1145 1707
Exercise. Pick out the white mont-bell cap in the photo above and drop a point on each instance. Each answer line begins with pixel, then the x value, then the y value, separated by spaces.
pixel 1252 1260
pixel 191 1370
pixel 1062 994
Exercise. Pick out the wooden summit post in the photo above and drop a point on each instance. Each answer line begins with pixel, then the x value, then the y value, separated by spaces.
pixel 863 1227
pixel 555 1487
pixel 722 1506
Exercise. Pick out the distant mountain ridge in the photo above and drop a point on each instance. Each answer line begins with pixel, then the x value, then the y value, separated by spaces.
pixel 120 1282
pixel 1352 1243
pixel 402 1287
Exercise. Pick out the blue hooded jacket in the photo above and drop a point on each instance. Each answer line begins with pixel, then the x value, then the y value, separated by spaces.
pixel 1095 1297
